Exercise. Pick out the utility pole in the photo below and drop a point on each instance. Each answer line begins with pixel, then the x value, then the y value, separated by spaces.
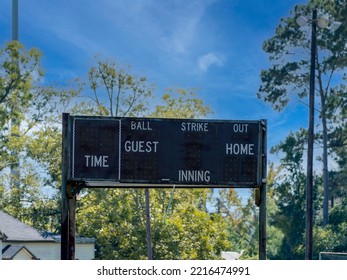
pixel 14 20
pixel 322 23
pixel 15 123
pixel 310 142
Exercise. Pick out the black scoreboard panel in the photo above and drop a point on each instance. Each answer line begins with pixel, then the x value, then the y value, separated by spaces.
pixel 145 151
pixel 140 157
pixel 95 148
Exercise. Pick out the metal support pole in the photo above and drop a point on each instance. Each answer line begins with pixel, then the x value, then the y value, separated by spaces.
pixel 262 206
pixel 15 20
pixel 148 226
pixel 64 255
pixel 72 228
pixel 15 121
pixel 68 204
pixel 310 142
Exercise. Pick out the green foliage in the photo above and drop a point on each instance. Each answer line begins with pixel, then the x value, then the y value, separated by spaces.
pixel 338 214
pixel 274 234
pixel 242 222
pixel 287 208
pixel 117 92
pixel 288 190
pixel 181 103
pixel 16 79
pixel 337 112
pixel 193 234
pixel 289 73
pixel 287 78
pixel 188 232
pixel 29 138
pixel 333 237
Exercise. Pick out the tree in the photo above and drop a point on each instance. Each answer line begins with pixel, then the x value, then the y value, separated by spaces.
pixel 289 73
pixel 242 224
pixel 333 237
pixel 274 234
pixel 117 92
pixel 18 67
pixel 289 194
pixel 181 103
pixel 186 231
pixel 337 112
pixel 28 114
pixel 183 231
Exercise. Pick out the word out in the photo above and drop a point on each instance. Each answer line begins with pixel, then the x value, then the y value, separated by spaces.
pixel 240 127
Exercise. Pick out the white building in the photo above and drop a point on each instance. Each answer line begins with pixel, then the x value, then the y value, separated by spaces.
pixel 21 241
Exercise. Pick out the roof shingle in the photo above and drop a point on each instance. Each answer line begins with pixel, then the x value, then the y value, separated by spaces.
pixel 15 230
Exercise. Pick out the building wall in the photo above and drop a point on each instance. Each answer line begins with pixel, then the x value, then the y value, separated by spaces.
pixel 51 250
pixel 85 251
pixel 41 250
pixel 22 255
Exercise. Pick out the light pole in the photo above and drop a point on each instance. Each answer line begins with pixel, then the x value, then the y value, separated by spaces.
pixel 310 142
pixel 15 20
pixel 15 122
pixel 310 134
pixel 322 23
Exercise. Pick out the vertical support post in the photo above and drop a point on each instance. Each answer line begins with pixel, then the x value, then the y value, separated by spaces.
pixel 310 142
pixel 68 204
pixel 15 20
pixel 72 228
pixel 15 121
pixel 262 207
pixel 148 226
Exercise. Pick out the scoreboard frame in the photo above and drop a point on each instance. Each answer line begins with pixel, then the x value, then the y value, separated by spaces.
pixel 143 152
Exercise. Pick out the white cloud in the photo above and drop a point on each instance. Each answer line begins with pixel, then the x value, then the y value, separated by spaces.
pixel 210 59
pixel 180 23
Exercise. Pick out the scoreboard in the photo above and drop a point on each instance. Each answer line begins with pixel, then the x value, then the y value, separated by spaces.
pixel 165 152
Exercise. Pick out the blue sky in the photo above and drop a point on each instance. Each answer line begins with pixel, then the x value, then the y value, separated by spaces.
pixel 213 45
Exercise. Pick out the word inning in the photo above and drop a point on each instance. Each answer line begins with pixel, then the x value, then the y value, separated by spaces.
pixel 194 176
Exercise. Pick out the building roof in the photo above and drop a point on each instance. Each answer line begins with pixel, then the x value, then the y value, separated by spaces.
pixel 2 235
pixel 14 230
pixel 79 239
pixel 10 251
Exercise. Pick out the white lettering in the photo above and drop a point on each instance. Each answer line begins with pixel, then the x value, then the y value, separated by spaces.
pixel 194 176
pixel 140 125
pixel 140 143
pixel 104 161
pixel 87 160
pixel 239 149
pixel 240 127
pixel 96 161
pixel 133 125
pixel 187 126
pixel 141 146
